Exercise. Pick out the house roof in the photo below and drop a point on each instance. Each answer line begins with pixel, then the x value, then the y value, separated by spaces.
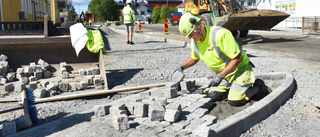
pixel 184 3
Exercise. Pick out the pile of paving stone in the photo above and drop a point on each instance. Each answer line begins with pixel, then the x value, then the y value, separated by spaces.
pixel 43 82
pixel 173 108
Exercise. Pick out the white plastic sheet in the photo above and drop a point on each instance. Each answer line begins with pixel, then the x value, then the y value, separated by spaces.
pixel 79 38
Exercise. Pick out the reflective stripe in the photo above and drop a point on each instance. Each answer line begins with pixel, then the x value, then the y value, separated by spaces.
pixel 195 47
pixel 238 87
pixel 215 89
pixel 225 83
pixel 220 54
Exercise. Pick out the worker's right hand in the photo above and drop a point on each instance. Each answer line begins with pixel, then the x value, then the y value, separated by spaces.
pixel 177 74
pixel 215 80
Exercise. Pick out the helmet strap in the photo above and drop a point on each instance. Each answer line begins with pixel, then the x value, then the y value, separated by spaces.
pixel 200 32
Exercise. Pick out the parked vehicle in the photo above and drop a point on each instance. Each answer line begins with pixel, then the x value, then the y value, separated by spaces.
pixel 231 15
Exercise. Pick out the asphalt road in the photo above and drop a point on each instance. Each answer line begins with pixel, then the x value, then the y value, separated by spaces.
pixel 306 46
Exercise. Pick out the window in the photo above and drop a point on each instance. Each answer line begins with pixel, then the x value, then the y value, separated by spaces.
pixel 41 8
pixel 29 7
pixel 23 5
pixel 142 12
pixel 37 7
pixel 250 3
pixel 242 3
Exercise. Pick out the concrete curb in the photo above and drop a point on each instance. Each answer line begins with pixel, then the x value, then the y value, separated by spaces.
pixel 138 34
pixel 236 124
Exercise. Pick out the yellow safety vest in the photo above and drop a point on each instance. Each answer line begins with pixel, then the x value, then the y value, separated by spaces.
pixel 218 49
pixel 128 15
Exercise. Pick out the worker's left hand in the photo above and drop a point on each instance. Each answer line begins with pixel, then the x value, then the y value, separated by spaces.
pixel 215 80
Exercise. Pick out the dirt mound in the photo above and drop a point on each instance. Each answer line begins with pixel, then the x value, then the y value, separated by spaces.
pixel 107 31
pixel 257 13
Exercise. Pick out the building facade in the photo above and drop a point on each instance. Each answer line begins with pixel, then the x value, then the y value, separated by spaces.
pixel 28 10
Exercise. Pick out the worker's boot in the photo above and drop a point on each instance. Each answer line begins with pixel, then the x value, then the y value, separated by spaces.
pixel 217 96
pixel 263 87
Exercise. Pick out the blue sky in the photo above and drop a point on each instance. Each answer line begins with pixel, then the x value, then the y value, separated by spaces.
pixel 82 5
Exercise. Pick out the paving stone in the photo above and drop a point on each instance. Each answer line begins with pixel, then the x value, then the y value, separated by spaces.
pixel 171 115
pixel 101 110
pixel 46 74
pixel 44 83
pixel 63 86
pixel 170 92
pixel 95 71
pixel 207 103
pixel 37 75
pixel 120 122
pixel 65 75
pixel 144 95
pixel 83 85
pixel 149 123
pixel 175 106
pixel 51 86
pixel 202 130
pixel 10 77
pixel 3 81
pixel 97 82
pixel 156 112
pixel 89 72
pixel 3 57
pixel 200 112
pixel 63 64
pixel 8 128
pixel 159 101
pixel 63 69
pixel 44 65
pixel 118 109
pixel 141 110
pixel 192 107
pixel 130 107
pixel 24 80
pixel 181 124
pixel 19 87
pixel 33 85
pixel 27 70
pixel 41 93
pixel 141 119
pixel 210 118
pixel 32 79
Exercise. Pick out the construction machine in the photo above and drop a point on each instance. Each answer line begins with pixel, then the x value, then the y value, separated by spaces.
pixel 231 15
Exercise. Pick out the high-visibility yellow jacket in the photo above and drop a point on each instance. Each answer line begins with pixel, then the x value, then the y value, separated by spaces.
pixel 128 15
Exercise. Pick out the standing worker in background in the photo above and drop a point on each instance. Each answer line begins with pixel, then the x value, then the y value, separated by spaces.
pixel 129 20
pixel 217 48
pixel 90 22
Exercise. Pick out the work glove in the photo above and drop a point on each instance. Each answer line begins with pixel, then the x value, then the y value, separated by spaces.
pixel 215 80
pixel 177 74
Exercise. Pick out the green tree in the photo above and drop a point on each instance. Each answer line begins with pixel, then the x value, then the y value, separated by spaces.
pixel 156 14
pixel 164 12
pixel 71 12
pixel 104 9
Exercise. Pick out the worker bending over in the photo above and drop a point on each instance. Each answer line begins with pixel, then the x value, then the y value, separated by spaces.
pixel 217 48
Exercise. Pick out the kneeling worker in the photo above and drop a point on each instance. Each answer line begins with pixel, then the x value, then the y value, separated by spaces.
pixel 217 48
